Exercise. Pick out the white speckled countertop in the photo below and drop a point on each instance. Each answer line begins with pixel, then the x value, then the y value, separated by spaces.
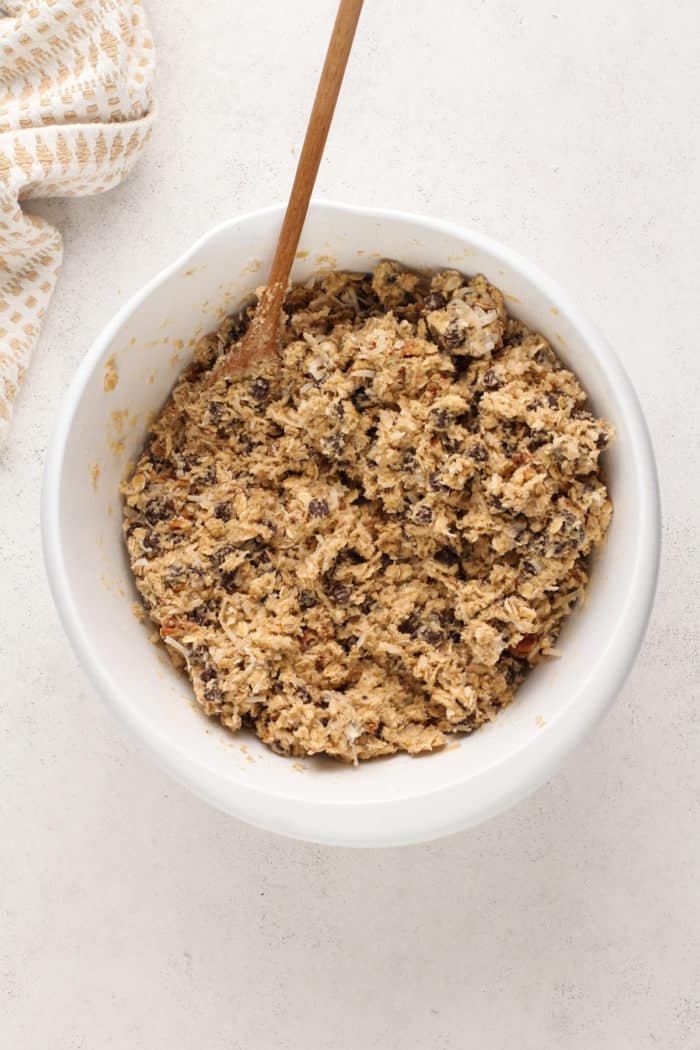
pixel 131 914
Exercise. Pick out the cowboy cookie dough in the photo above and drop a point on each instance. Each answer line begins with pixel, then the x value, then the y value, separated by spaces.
pixel 364 547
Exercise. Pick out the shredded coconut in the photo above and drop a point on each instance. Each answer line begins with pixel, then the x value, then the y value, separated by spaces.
pixel 364 547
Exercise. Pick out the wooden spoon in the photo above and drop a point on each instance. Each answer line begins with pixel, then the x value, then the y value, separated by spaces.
pixel 262 337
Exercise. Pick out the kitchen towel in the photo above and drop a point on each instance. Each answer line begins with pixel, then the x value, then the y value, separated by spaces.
pixel 76 110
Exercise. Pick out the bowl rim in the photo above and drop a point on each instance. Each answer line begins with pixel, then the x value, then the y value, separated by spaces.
pixel 403 819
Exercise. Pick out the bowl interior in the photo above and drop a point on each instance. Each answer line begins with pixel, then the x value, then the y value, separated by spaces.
pixel 122 384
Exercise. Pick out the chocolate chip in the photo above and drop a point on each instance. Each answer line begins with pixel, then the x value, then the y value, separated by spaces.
pixel 201 614
pixel 220 556
pixel 360 398
pixel 478 453
pixel 213 694
pixel 602 440
pixel 491 380
pixel 189 462
pixel 434 301
pixel 450 444
pixel 539 543
pixel 261 557
pixel 410 625
pixel 432 635
pixel 158 510
pixel 333 446
pixel 228 581
pixel 436 485
pixel 207 674
pixel 447 556
pixel 422 514
pixel 216 410
pixel 206 478
pixel 307 599
pixel 514 336
pixel 409 463
pixel 260 390
pixel 151 545
pixel 553 400
pixel 441 418
pixel 318 508
pixel 454 335
pixel 511 670
pixel 223 511
pixel 341 593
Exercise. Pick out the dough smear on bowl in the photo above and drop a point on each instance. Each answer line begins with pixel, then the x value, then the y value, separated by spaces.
pixel 364 547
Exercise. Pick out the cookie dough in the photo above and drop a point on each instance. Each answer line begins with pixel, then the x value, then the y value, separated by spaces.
pixel 363 547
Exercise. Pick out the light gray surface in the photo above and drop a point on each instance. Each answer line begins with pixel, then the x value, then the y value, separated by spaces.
pixel 132 915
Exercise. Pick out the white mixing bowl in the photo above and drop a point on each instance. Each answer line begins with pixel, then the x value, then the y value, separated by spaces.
pixel 123 381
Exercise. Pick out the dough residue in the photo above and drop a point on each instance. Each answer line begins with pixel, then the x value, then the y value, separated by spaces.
pixel 111 377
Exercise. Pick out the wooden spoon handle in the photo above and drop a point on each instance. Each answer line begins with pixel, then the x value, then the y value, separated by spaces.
pixel 262 336
pixel 312 150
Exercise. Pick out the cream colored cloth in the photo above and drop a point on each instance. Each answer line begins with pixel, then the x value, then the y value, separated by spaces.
pixel 75 112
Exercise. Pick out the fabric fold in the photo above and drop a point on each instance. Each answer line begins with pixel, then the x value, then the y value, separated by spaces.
pixel 76 110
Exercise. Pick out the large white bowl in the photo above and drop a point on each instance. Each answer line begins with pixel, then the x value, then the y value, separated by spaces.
pixel 100 430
